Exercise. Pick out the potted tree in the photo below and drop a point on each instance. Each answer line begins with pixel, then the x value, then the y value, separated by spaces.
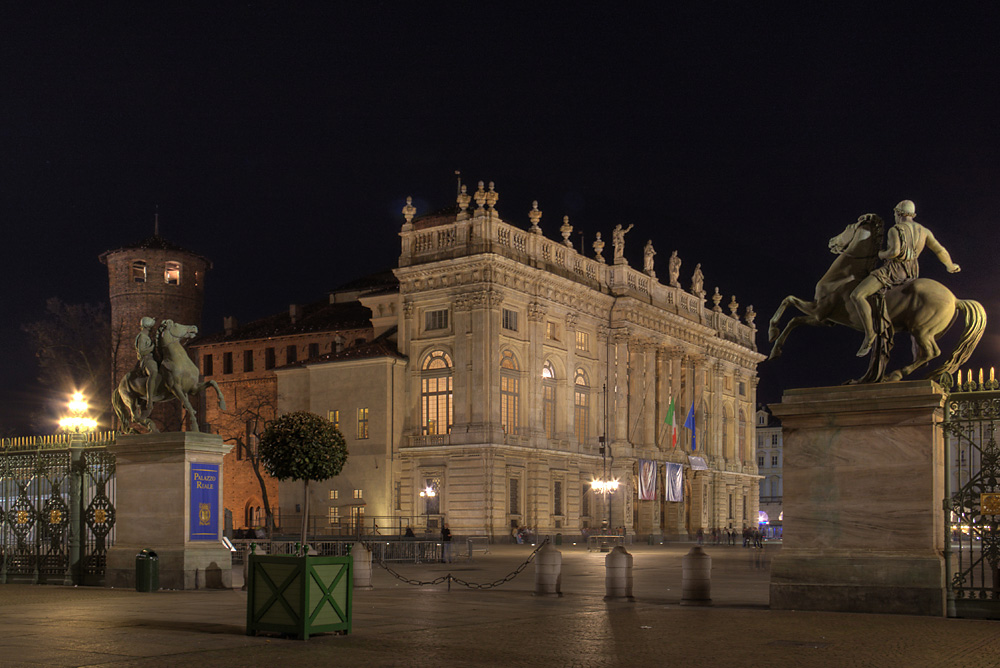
pixel 300 594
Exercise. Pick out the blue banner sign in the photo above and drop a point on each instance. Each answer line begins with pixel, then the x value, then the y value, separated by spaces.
pixel 204 513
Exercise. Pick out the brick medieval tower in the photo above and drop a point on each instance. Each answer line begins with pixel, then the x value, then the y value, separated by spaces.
pixel 152 278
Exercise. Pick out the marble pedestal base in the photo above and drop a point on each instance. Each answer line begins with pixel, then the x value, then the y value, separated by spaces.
pixel 152 510
pixel 863 483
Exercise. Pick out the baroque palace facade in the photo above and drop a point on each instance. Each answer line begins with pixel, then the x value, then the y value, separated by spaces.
pixel 516 371
pixel 490 378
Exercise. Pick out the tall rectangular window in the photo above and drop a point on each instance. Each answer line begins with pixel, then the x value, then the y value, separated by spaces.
pixel 334 494
pixel 557 497
pixel 551 331
pixel 515 496
pixel 207 365
pixel 247 361
pixel 227 362
pixel 333 515
pixel 774 460
pixel 774 439
pixel 359 494
pixel 291 354
pixel 583 342
pixel 509 319
pixel 399 495
pixel 585 501
pixel 334 417
pixel 268 358
pixel 362 423
pixel 436 319
pixel 313 350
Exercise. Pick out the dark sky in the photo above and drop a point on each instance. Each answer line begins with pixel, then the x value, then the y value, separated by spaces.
pixel 281 141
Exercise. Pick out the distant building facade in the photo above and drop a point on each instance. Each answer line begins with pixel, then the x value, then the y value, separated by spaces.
pixel 770 460
pixel 520 371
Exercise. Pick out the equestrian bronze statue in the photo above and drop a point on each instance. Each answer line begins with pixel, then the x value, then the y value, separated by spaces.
pixel 902 302
pixel 164 372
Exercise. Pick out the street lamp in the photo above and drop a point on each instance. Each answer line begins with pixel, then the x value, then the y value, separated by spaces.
pixel 427 494
pixel 77 421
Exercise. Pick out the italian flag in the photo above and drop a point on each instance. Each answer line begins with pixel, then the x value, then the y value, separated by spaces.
pixel 671 421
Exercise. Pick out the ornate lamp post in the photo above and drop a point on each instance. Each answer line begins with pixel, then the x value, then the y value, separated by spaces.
pixel 78 424
pixel 77 421
pixel 427 494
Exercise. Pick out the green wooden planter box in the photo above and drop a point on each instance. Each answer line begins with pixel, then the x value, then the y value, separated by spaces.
pixel 301 596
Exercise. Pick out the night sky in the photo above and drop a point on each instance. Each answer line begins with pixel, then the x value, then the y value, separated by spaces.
pixel 281 142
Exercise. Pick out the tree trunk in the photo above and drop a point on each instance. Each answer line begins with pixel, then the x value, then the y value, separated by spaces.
pixel 305 512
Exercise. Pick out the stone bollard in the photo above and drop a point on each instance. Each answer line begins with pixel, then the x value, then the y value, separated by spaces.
pixel 696 578
pixel 618 574
pixel 362 566
pixel 548 571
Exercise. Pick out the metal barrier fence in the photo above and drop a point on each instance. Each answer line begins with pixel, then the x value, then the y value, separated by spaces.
pixel 604 543
pixel 413 551
pixel 57 515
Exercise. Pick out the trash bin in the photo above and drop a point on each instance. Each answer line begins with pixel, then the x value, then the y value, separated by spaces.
pixel 558 539
pixel 147 571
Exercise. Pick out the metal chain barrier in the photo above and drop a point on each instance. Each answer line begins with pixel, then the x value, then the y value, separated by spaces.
pixel 449 578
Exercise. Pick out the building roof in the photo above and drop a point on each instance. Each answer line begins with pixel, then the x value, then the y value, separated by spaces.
pixel 379 283
pixel 155 242
pixel 321 316
pixel 382 346
pixel 445 216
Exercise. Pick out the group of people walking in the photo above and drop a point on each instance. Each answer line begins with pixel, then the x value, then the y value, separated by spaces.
pixel 752 536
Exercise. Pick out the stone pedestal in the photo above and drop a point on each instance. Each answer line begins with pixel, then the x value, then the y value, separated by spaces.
pixel 863 490
pixel 161 480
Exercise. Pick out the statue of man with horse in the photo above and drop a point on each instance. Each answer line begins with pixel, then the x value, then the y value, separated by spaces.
pixel 903 302
pixel 163 372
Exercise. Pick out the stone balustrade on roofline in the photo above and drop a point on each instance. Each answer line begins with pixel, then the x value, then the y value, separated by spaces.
pixel 486 232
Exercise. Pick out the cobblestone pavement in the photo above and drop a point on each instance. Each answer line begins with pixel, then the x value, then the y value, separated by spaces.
pixel 396 624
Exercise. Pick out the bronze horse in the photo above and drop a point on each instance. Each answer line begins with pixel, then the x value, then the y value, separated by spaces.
pixel 178 379
pixel 922 307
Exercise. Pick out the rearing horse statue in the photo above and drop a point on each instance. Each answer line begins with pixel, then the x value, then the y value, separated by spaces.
pixel 178 379
pixel 922 307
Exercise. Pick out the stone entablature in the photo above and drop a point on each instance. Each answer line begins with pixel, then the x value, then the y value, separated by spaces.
pixel 485 232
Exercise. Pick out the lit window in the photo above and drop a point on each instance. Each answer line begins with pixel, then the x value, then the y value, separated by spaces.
pixel 436 319
pixel 334 494
pixel 334 417
pixel 333 515
pixel 510 320
pixel 582 341
pixel 436 381
pixel 549 400
pixel 551 331
pixel 581 406
pixel 139 271
pixel 172 273
pixel 510 392
pixel 358 494
pixel 362 423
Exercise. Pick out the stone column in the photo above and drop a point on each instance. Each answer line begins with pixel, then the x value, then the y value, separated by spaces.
pixel 161 480
pixel 863 490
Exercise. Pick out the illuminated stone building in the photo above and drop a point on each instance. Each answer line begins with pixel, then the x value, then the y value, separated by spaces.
pixel 504 360
pixel 770 463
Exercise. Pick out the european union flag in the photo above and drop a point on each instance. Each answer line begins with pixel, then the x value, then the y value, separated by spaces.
pixel 689 424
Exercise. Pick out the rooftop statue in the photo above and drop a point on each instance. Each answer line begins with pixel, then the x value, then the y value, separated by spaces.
pixel 853 290
pixel 618 242
pixel 163 372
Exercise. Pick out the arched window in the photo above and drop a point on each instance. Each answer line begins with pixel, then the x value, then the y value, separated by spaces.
pixel 510 392
pixel 549 400
pixel 139 271
pixel 172 273
pixel 742 435
pixel 436 380
pixel 581 406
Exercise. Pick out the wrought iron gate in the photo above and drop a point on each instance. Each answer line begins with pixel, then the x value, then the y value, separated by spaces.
pixel 57 514
pixel 972 499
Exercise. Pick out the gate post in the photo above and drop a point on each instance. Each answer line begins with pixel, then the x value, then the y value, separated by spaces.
pixel 76 519
pixel 947 502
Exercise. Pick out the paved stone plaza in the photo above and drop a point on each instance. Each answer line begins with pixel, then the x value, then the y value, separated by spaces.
pixel 396 624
